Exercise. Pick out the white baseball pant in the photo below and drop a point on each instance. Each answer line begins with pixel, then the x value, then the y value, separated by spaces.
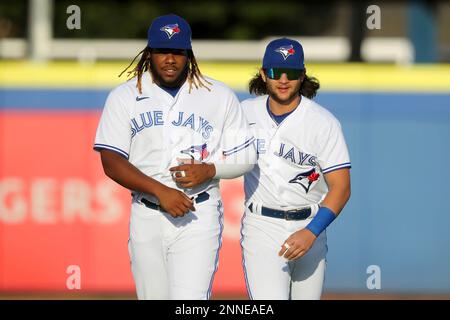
pixel 271 277
pixel 175 258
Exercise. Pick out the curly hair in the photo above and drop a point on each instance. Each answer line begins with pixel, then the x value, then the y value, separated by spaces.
pixel 308 88
pixel 194 76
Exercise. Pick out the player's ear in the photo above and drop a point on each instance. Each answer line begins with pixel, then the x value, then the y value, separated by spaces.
pixel 263 75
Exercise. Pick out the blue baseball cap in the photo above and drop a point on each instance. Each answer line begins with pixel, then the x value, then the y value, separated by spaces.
pixel 169 32
pixel 284 53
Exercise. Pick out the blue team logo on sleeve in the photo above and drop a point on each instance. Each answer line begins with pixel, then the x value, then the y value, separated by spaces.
pixel 286 51
pixel 197 150
pixel 306 179
pixel 171 30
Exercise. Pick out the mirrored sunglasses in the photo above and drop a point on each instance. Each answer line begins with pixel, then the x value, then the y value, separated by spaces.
pixel 275 73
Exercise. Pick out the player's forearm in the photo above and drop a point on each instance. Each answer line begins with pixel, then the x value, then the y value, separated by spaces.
pixel 338 190
pixel 336 199
pixel 124 173
pixel 236 165
pixel 231 171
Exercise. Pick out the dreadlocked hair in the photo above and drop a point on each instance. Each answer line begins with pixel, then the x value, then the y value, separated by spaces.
pixel 194 76
pixel 142 66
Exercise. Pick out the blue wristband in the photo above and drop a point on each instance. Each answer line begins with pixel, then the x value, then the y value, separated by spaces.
pixel 321 221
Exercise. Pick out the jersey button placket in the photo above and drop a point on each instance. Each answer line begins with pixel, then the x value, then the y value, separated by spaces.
pixel 167 137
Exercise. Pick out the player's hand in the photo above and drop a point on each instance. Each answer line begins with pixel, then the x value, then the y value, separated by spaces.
pixel 174 202
pixel 297 245
pixel 192 173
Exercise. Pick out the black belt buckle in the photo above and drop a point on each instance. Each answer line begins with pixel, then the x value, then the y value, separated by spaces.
pixel 201 197
pixel 290 214
pixel 150 204
pixel 293 214
pixel 301 214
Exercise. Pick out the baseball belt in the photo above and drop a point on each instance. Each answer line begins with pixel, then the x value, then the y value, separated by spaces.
pixel 295 214
pixel 201 197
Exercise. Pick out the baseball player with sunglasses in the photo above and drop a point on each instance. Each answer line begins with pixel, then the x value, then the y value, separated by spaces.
pixel 300 184
pixel 168 135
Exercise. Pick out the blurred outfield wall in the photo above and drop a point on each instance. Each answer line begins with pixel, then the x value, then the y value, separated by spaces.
pixel 57 208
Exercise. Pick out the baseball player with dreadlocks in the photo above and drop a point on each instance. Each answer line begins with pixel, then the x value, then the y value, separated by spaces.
pixel 169 134
pixel 300 183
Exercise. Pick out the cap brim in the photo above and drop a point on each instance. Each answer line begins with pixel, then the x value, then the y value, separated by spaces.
pixel 165 45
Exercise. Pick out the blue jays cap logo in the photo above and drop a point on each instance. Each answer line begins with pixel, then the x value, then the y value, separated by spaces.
pixel 200 149
pixel 171 29
pixel 309 176
pixel 286 51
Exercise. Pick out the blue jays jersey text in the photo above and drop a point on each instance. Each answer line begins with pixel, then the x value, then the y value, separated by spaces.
pixel 155 118
pixel 296 156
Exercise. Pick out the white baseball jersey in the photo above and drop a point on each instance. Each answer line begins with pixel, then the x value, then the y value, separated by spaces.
pixel 171 257
pixel 294 155
pixel 154 128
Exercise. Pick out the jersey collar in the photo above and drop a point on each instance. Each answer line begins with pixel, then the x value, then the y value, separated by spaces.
pixel 148 84
pixel 271 115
